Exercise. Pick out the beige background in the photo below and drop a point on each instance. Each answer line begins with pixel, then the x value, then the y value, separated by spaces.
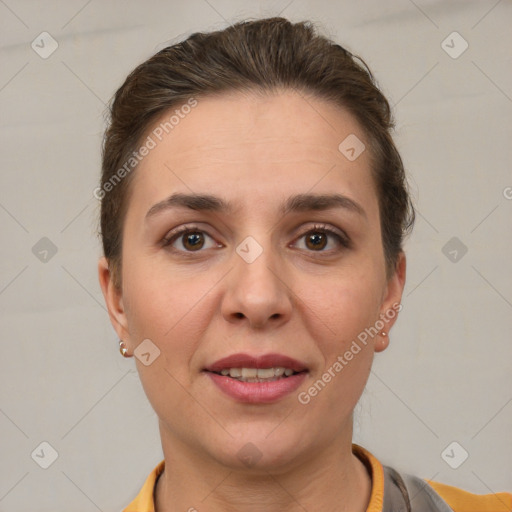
pixel 447 374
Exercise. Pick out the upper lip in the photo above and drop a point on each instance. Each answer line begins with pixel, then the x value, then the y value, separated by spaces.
pixel 263 361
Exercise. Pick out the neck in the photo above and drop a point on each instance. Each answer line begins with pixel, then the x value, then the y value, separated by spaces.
pixel 331 479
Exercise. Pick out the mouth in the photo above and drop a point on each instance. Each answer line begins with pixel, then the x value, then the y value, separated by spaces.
pixel 265 366
pixel 262 379
pixel 257 374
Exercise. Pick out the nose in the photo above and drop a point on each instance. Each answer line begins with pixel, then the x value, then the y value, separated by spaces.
pixel 257 292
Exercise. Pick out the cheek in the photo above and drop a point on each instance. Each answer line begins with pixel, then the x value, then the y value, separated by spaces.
pixel 344 302
pixel 154 301
pixel 170 309
pixel 347 353
pixel 163 309
pixel 342 313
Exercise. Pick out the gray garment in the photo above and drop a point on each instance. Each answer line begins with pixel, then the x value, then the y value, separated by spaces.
pixel 408 493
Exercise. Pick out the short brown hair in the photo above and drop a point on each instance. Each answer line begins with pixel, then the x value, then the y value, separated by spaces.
pixel 264 55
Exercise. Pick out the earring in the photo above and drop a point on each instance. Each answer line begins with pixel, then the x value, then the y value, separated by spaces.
pixel 123 349
pixel 382 333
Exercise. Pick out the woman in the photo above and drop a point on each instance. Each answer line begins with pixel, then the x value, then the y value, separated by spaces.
pixel 253 211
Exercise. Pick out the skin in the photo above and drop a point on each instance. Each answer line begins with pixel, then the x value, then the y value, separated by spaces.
pixel 296 299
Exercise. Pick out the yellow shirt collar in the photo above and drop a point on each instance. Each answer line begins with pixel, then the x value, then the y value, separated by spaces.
pixel 144 502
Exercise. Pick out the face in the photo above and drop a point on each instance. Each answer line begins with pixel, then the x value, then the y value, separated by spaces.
pixel 257 273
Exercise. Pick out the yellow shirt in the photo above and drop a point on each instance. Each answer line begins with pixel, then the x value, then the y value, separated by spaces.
pixel 457 499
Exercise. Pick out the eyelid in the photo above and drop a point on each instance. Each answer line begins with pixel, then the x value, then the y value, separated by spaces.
pixel 337 233
pixel 174 234
pixel 341 237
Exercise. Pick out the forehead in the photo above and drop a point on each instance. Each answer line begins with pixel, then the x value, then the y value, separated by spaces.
pixel 238 123
pixel 251 144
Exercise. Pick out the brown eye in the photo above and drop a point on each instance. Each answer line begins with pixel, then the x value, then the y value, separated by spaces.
pixel 316 240
pixel 193 240
pixel 189 238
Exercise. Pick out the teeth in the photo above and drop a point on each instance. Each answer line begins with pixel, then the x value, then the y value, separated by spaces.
pixel 249 373
pixel 257 374
pixel 263 373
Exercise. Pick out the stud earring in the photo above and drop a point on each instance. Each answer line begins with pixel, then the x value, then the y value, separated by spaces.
pixel 123 349
pixel 383 333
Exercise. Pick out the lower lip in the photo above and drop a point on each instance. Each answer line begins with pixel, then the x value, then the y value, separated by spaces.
pixel 257 392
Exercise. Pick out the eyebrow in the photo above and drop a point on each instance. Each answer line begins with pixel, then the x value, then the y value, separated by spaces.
pixel 296 203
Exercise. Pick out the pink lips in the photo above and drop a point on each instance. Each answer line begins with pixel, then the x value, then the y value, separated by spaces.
pixel 257 392
pixel 264 361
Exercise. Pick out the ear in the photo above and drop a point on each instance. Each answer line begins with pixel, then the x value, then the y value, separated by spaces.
pixel 113 299
pixel 391 306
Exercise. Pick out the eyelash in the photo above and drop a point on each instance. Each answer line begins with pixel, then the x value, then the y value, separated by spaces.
pixel 343 240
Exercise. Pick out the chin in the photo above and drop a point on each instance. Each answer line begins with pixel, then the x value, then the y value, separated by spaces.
pixel 258 451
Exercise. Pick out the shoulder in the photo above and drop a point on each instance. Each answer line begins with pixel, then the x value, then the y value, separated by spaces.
pixel 144 501
pixel 391 489
pixel 463 501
